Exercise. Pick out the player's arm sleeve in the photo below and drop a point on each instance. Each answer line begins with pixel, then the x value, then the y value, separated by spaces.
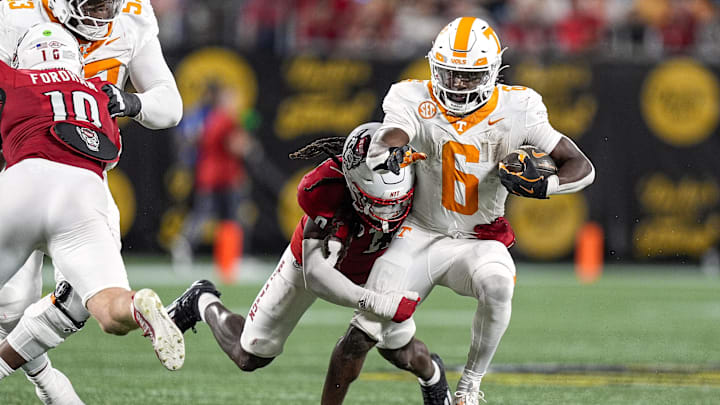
pixel 323 279
pixel 150 75
pixel 398 115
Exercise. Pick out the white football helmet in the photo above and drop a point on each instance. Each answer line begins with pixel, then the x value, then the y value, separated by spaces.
pixel 88 18
pixel 382 200
pixel 48 46
pixel 465 60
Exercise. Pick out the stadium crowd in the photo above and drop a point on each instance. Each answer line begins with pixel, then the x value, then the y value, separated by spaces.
pixel 398 29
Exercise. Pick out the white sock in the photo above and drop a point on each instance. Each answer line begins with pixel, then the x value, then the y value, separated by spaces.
pixel 204 300
pixel 470 381
pixel 42 377
pixel 434 379
pixel 5 369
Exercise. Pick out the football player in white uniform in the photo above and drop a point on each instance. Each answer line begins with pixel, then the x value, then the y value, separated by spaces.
pixel 119 41
pixel 466 123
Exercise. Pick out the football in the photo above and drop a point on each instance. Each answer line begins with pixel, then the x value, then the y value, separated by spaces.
pixel 545 164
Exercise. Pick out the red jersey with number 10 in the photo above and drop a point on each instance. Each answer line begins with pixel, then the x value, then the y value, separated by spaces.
pixel 35 100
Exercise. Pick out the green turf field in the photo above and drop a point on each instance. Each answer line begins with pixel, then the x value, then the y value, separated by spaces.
pixel 647 336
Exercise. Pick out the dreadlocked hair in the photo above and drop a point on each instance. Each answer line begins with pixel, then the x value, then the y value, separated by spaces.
pixel 331 146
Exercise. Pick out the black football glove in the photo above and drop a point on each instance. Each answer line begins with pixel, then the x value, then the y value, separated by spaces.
pixel 400 157
pixel 122 103
pixel 527 183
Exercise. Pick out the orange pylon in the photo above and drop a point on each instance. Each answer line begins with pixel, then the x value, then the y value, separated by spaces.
pixel 589 252
pixel 228 250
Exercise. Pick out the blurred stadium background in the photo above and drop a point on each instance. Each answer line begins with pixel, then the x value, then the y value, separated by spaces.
pixel 634 82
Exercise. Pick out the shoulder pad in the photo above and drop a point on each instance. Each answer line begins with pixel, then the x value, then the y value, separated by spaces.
pixel 526 101
pixel 321 192
pixel 409 90
pixel 139 21
pixel 15 18
pixel 520 95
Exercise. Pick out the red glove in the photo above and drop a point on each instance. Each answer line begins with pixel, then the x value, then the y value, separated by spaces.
pixel 405 309
pixel 396 305
pixel 499 230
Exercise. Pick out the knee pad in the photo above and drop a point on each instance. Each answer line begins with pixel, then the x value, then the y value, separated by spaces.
pixel 46 323
pixel 496 288
pixel 70 303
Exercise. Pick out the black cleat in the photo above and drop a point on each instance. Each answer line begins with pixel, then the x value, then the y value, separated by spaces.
pixel 438 393
pixel 184 310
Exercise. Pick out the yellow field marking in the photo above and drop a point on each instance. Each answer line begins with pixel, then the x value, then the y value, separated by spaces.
pixel 594 379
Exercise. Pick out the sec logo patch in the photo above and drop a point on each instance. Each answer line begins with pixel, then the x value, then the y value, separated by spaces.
pixel 427 109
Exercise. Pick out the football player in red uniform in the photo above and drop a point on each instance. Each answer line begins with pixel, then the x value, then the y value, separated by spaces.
pixel 119 42
pixel 351 214
pixel 54 199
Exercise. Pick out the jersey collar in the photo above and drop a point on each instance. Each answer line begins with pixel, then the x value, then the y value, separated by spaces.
pixel 462 124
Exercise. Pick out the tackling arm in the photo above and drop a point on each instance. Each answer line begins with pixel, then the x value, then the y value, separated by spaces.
pixel 323 279
pixel 575 171
pixel 157 90
pixel 326 282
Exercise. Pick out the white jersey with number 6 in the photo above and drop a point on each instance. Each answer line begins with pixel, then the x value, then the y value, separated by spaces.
pixel 457 186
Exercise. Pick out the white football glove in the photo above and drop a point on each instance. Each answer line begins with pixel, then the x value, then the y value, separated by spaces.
pixel 395 305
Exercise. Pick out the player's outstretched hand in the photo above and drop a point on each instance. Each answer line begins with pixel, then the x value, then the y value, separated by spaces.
pixel 400 157
pixel 122 103
pixel 395 305
pixel 527 182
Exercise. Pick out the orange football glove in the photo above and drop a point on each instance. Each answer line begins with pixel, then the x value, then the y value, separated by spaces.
pixel 401 157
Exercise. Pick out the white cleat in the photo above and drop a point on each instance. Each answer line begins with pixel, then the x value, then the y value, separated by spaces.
pixel 469 398
pixel 153 319
pixel 54 388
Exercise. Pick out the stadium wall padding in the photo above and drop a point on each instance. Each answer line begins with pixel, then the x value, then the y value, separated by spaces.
pixel 651 130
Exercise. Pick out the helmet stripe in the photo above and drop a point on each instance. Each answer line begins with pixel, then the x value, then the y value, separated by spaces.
pixel 462 37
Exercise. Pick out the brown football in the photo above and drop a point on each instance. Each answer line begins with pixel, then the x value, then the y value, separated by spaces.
pixel 545 164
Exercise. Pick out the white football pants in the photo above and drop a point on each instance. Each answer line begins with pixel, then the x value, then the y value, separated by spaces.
pixel 277 309
pixel 66 212
pixel 417 260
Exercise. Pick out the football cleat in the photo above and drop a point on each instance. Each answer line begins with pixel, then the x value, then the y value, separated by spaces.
pixel 153 319
pixel 469 398
pixel 438 393
pixel 184 310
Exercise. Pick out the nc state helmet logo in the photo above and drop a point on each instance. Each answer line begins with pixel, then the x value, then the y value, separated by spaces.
pixel 357 150
pixel 89 137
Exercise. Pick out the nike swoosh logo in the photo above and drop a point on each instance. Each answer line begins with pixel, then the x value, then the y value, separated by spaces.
pixel 526 190
pixel 491 122
pixel 538 155
pixel 111 41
